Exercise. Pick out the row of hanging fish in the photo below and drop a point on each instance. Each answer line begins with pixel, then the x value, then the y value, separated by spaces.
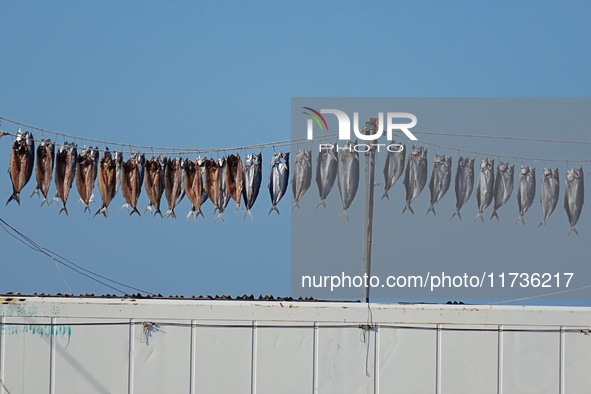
pixel 228 178
pixel 217 180
pixel 489 187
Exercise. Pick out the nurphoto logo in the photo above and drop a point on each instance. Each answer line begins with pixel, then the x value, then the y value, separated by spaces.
pixel 345 128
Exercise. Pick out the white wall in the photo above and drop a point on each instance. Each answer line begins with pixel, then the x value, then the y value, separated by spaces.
pixel 102 345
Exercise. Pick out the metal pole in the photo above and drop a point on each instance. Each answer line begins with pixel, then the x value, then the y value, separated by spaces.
pixel 370 162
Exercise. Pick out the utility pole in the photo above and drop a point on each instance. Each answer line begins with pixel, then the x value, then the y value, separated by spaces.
pixel 370 163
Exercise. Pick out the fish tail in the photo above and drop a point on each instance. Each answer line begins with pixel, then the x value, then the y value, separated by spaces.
pixel 126 206
pixel 87 208
pixel 431 209
pixel 56 199
pixel 274 208
pixel 64 209
pixel 248 214
pixel 456 213
pixel 520 219
pixel 135 211
pixel 408 207
pixel 37 191
pixel 220 216
pixel 168 213
pixel 200 212
pixel 345 214
pixel 542 222
pixel 323 203
pixel 16 197
pixel 494 215
pixel 192 212
pixel 295 205
pixel 44 202
pixel 572 230
pixel 148 208
pixel 102 210
pixel 385 195
pixel 160 213
pixel 479 216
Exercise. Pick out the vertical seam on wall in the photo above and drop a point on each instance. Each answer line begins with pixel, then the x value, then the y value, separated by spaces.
pixel 376 371
pixel 130 364
pixel 253 366
pixel 500 360
pixel 2 347
pixel 315 360
pixel 562 360
pixel 193 355
pixel 438 360
pixel 52 355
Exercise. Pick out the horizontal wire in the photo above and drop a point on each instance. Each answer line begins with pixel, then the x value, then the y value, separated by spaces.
pixel 282 143
pixel 65 262
pixel 310 325
pixel 498 137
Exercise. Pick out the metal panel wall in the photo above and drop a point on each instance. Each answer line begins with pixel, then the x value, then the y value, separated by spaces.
pixel 65 345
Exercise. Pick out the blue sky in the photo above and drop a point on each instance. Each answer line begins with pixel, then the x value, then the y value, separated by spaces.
pixel 222 74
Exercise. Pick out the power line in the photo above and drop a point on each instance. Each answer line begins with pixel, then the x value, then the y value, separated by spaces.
pixel 13 232
pixel 167 150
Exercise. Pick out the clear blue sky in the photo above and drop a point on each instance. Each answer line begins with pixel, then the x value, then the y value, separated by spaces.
pixel 221 74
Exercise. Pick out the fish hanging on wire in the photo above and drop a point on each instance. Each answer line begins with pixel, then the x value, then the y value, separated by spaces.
pixel 394 167
pixel 44 163
pixel 252 181
pixel 132 177
pixel 348 176
pixel 549 193
pixel 235 178
pixel 22 158
pixel 278 179
pixel 464 183
pixel 526 191
pixel 440 179
pixel 302 176
pixel 327 165
pixel 503 186
pixel 107 181
pixel 193 182
pixel 212 181
pixel 86 172
pixel 574 197
pixel 65 172
pixel 485 187
pixel 154 183
pixel 173 184
pixel 415 177
pixel 223 195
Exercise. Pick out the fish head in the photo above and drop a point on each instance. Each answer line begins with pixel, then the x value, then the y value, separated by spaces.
pixel 200 161
pixel 483 164
pixel 510 169
pixel 461 162
pixel 285 156
pixel 72 149
pixel 571 174
pixel 308 155
pixel 30 141
pixel 118 157
pixel 107 153
pixel 95 153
